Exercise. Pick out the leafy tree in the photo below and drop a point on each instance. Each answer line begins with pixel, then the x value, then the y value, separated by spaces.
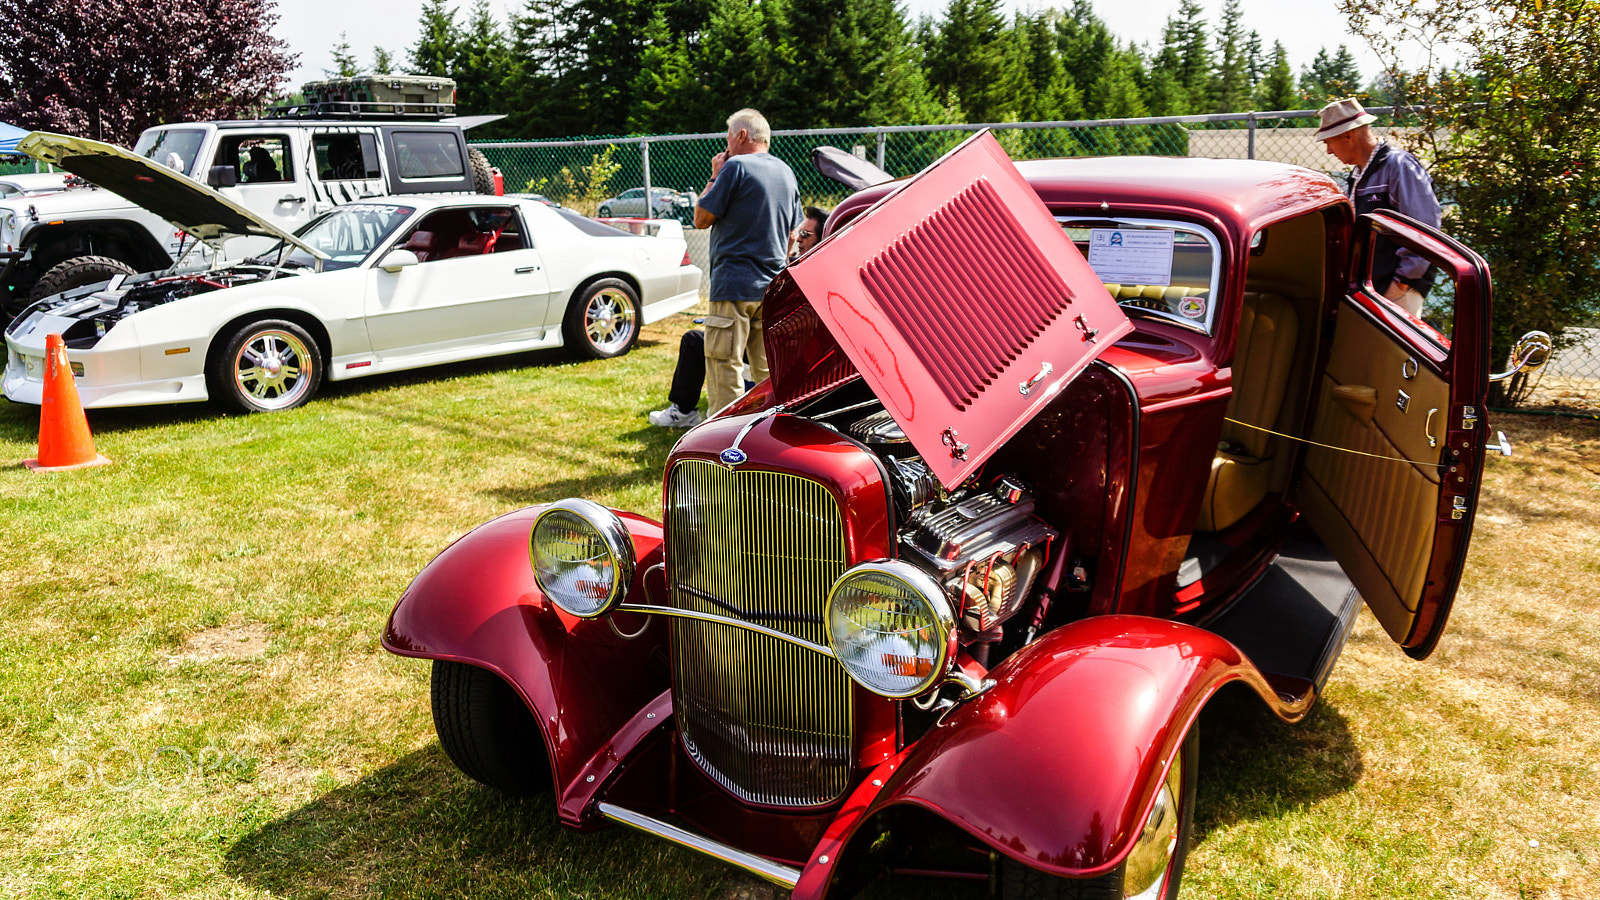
pixel 344 60
pixel 107 69
pixel 1513 140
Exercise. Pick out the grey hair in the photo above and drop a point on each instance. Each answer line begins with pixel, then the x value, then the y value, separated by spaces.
pixel 753 123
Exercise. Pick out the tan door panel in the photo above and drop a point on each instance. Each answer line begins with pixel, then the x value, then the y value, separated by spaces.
pixel 1377 514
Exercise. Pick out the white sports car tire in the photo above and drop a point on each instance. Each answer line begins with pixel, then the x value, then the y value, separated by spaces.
pixel 265 366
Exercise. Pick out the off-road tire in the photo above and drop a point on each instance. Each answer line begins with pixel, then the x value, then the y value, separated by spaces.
pixel 486 729
pixel 267 365
pixel 1021 882
pixel 482 174
pixel 77 272
pixel 602 320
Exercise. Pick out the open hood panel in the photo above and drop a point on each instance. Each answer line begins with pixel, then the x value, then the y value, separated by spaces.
pixel 958 298
pixel 179 199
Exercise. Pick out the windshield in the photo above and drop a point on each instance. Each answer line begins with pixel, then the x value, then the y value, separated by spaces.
pixel 348 235
pixel 175 148
pixel 1167 269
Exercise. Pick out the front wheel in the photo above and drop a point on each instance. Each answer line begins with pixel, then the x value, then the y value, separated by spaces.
pixel 486 729
pixel 1154 866
pixel 265 366
pixel 603 320
pixel 605 212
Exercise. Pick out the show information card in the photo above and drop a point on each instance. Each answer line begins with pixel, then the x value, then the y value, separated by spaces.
pixel 1131 256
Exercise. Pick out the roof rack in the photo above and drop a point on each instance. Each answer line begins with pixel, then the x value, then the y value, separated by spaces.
pixel 374 97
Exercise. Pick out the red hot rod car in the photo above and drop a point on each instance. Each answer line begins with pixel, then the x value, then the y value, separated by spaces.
pixel 1050 452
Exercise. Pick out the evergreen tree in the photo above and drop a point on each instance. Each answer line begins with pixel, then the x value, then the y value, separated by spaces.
pixel 1166 94
pixel 1038 78
pixel 482 58
pixel 382 61
pixel 1231 91
pixel 1255 62
pixel 1115 94
pixel 1329 77
pixel 1194 56
pixel 848 62
pixel 1277 88
pixel 436 48
pixel 344 60
pixel 671 97
pixel 1084 43
pixel 967 57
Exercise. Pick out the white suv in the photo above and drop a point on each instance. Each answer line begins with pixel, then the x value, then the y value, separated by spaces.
pixel 287 170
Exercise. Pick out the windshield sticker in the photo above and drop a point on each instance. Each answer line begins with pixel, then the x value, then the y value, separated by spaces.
pixel 1193 307
pixel 1131 256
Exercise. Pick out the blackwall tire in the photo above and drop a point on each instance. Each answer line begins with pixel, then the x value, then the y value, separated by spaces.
pixel 602 320
pixel 482 174
pixel 265 366
pixel 605 212
pixel 1162 858
pixel 77 272
pixel 486 729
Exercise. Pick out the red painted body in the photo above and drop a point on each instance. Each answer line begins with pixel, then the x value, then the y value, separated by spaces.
pixel 1057 765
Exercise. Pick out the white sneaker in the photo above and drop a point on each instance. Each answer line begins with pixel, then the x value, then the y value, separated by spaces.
pixel 672 417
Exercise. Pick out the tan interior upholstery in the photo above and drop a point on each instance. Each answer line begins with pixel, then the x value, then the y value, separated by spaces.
pixel 1376 514
pixel 1241 476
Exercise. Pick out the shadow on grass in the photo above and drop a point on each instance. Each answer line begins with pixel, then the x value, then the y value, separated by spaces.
pixel 418 828
pixel 1255 766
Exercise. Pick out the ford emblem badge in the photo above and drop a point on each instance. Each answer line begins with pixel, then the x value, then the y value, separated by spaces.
pixel 732 456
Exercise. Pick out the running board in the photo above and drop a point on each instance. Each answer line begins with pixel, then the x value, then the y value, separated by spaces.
pixel 784 876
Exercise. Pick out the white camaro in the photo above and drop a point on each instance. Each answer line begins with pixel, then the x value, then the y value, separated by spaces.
pixel 381 285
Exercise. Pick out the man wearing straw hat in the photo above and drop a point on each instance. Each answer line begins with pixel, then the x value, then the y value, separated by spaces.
pixel 1385 177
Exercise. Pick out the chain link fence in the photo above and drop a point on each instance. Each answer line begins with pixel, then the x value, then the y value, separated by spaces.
pixel 589 175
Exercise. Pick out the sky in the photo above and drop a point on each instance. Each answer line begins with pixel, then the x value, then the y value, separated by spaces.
pixel 312 27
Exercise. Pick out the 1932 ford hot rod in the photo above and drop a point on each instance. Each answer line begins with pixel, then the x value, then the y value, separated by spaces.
pixel 1050 453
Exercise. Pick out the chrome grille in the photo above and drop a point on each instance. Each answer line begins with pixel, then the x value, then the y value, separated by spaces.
pixel 768 720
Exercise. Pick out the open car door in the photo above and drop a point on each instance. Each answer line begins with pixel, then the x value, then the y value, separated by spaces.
pixel 1402 399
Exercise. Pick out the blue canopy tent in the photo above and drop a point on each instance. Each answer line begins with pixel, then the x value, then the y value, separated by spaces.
pixel 9 135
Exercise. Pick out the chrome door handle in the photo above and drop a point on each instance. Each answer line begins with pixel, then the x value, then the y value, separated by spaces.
pixel 1427 428
pixel 291 199
pixel 526 270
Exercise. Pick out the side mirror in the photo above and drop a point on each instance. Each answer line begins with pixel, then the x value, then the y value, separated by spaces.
pixel 222 176
pixel 398 259
pixel 1531 351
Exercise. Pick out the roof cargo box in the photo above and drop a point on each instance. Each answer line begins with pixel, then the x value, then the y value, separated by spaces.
pixel 411 96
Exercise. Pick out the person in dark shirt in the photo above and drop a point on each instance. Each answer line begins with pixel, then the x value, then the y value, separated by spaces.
pixel 690 374
pixel 1385 177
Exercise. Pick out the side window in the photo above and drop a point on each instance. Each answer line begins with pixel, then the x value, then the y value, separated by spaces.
pixel 341 157
pixel 429 154
pixel 455 233
pixel 258 158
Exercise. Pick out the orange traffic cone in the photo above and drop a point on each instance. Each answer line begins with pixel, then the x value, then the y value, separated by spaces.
pixel 64 441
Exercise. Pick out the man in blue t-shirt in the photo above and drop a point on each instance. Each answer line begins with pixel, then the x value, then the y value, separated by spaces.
pixel 752 206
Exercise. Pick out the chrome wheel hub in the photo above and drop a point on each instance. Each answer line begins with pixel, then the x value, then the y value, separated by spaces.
pixel 609 321
pixel 272 370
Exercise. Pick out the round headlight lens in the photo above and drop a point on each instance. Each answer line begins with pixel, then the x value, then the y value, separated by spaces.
pixel 891 627
pixel 582 557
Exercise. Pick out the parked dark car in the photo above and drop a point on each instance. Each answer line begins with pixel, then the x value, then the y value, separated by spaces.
pixel 1050 453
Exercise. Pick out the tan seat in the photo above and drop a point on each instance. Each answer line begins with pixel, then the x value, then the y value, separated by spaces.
pixel 1241 472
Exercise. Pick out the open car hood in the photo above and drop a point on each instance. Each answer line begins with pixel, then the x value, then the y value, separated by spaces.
pixel 186 203
pixel 957 297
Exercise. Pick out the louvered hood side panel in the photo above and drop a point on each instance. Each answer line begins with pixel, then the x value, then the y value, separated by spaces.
pixel 962 303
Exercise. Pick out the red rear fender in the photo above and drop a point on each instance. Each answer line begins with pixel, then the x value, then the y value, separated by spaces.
pixel 477 603
pixel 1056 766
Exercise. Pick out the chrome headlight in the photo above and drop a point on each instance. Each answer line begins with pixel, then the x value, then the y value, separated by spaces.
pixel 582 557
pixel 892 628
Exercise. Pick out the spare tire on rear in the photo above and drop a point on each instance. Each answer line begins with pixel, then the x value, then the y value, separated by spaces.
pixel 482 174
pixel 77 272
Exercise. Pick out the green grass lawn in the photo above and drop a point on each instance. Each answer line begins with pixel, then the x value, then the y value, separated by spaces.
pixel 195 703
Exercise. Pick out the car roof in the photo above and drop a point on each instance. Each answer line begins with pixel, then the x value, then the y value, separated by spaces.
pixel 1243 194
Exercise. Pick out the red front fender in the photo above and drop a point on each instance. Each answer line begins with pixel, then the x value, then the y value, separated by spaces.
pixel 477 603
pixel 1056 765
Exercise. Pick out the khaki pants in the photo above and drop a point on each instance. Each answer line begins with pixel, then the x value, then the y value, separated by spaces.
pixel 733 332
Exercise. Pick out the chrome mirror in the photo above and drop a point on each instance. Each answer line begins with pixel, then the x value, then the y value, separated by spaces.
pixel 1531 351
